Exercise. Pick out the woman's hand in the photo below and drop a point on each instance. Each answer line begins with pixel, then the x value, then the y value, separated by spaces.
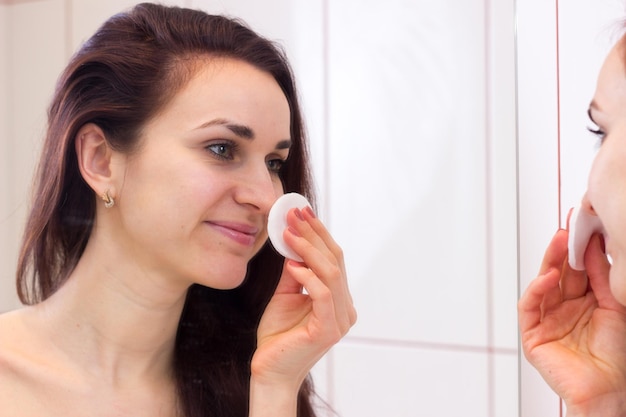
pixel 574 331
pixel 298 328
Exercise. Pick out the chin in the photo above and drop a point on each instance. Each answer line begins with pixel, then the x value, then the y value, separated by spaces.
pixel 223 280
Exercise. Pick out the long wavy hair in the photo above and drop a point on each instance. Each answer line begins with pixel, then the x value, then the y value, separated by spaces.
pixel 120 78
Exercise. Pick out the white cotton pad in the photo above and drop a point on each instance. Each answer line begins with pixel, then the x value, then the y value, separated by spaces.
pixel 581 226
pixel 277 222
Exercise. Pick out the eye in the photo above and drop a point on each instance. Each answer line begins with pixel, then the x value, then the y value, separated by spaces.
pixel 222 150
pixel 275 165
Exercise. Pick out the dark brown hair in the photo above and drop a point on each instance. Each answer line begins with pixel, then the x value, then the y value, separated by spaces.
pixel 121 78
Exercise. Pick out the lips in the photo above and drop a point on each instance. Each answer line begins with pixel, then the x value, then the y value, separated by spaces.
pixel 241 233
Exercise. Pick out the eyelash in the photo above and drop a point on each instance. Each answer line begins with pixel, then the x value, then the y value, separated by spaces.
pixel 598 133
pixel 232 147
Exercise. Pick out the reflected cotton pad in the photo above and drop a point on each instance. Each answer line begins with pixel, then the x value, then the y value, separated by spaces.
pixel 277 222
pixel 581 226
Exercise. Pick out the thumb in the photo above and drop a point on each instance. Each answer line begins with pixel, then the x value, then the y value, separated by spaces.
pixel 598 268
pixel 287 283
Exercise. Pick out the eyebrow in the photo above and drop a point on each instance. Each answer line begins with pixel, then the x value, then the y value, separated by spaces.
pixel 240 130
pixel 594 106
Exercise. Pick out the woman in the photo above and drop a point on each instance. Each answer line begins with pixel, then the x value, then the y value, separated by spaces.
pixel 572 323
pixel 149 283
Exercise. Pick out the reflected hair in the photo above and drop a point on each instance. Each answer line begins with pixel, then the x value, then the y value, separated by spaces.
pixel 120 79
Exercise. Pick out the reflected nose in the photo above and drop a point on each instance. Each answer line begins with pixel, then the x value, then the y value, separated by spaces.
pixel 586 206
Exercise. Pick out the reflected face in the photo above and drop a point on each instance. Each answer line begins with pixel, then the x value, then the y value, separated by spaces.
pixel 195 199
pixel 607 180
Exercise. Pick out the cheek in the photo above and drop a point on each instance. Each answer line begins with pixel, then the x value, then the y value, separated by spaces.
pixel 604 182
pixel 594 180
pixel 170 193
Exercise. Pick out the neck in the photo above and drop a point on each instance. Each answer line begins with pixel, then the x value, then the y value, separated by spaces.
pixel 113 322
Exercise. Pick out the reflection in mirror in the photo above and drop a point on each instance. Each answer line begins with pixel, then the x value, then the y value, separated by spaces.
pixel 560 51
pixel 410 111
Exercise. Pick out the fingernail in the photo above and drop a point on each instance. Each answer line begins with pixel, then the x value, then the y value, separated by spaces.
pixel 309 210
pixel 294 231
pixel 299 214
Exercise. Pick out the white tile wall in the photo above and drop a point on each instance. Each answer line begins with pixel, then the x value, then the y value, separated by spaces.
pixel 7 239
pixel 408 383
pixel 538 166
pixel 404 193
pixel 411 113
pixel 34 32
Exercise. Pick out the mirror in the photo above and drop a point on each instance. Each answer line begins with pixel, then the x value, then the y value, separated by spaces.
pixel 561 46
pixel 411 111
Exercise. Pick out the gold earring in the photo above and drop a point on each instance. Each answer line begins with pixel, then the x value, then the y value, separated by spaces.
pixel 108 200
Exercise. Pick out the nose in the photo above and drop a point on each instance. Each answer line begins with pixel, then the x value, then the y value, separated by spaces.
pixel 586 206
pixel 258 188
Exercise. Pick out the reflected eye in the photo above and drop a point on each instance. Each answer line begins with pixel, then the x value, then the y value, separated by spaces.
pixel 222 150
pixel 595 129
pixel 598 133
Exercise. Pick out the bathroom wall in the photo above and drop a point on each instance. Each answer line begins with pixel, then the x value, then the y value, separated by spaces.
pixel 561 45
pixel 410 107
pixel 7 239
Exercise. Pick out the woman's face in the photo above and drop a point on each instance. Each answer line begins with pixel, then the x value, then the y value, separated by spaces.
pixel 194 200
pixel 607 180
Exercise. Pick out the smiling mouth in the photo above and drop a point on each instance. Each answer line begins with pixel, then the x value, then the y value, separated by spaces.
pixel 240 233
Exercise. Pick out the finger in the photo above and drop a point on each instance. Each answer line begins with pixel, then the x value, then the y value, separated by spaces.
pixel 569 216
pixel 287 284
pixel 311 228
pixel 323 305
pixel 324 234
pixel 556 252
pixel 533 302
pixel 598 268
pixel 573 283
pixel 312 241
pixel 328 276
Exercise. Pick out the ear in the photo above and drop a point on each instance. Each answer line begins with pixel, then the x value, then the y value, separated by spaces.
pixel 94 158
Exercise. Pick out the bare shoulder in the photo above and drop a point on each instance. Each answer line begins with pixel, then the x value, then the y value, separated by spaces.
pixel 12 335
pixel 16 345
pixel 18 368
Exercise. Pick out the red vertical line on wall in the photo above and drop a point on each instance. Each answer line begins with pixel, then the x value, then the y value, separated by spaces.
pixel 68 15
pixel 558 111
pixel 558 130
pixel 488 62
pixel 325 111
pixel 330 363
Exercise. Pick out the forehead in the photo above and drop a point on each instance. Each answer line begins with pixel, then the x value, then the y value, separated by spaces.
pixel 230 89
pixel 611 84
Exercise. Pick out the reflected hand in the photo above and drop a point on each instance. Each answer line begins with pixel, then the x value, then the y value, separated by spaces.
pixel 574 331
pixel 297 329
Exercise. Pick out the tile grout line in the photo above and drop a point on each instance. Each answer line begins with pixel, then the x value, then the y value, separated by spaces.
pixel 489 207
pixel 423 345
